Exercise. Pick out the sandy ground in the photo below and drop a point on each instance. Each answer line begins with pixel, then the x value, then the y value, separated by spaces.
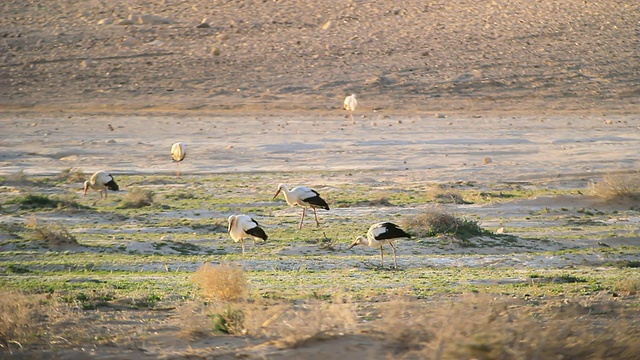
pixel 533 92
pixel 418 148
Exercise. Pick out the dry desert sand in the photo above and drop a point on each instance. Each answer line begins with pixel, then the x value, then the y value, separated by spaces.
pixel 504 91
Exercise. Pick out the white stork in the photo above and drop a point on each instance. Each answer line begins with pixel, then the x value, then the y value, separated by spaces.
pixel 380 234
pixel 178 152
pixel 350 104
pixel 101 181
pixel 244 227
pixel 304 197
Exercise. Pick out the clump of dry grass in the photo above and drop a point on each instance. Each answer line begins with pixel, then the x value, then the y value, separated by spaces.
pixel 51 234
pixel 137 198
pixel 434 222
pixel 444 195
pixel 628 286
pixel 618 188
pixel 17 318
pixel 380 200
pixel 223 282
pixel 484 326
pixel 18 179
pixel 72 175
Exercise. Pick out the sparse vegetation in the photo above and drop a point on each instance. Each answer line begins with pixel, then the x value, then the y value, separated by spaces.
pixel 72 175
pixel 18 179
pixel 137 198
pixel 223 282
pixel 629 286
pixel 321 294
pixel 624 188
pixel 38 201
pixel 447 195
pixel 434 223
pixel 493 327
pixel 229 321
pixel 51 234
pixel 18 318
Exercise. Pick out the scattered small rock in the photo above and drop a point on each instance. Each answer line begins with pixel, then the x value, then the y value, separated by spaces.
pixel 129 42
pixel 486 160
pixel 70 158
pixel 125 22
pixel 203 25
pixel 326 25
pixel 441 116
pixel 86 63
pixel 146 19
pixel 216 51
pixel 382 80
pixel 105 21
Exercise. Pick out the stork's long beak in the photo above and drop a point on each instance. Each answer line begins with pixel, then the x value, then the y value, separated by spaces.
pixel 85 190
pixel 276 195
pixel 353 244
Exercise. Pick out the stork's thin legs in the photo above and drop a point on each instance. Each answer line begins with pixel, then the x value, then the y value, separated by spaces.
pixel 395 262
pixel 353 121
pixel 381 257
pixel 316 215
pixel 179 172
pixel 304 210
pixel 242 241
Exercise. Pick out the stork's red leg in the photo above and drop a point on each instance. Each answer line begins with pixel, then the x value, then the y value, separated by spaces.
pixel 304 210
pixel 393 248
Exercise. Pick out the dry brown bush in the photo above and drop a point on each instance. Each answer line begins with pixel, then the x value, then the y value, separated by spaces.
pixel 223 282
pixel 628 286
pixel 434 222
pixel 618 188
pixel 51 234
pixel 18 313
pixel 137 198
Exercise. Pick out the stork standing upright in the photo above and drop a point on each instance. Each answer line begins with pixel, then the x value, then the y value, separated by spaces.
pixel 101 181
pixel 304 197
pixel 244 227
pixel 178 152
pixel 350 104
pixel 380 234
